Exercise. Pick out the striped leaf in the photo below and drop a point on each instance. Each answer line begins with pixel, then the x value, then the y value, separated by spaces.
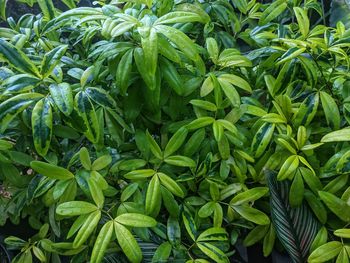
pixel 296 227
pixel 15 105
pixel 42 126
pixel 17 58
pixel 51 59
pixel 47 8
pixel 101 97
pixel 63 97
pixel 87 112
pixel 19 83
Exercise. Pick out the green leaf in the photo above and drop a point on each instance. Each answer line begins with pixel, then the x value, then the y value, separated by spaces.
pixel 170 184
pixel 236 81
pixel 149 41
pixel 42 126
pixel 331 110
pixel 269 241
pixel 139 174
pixel 87 228
pixel 255 235
pixel 155 149
pixel 75 208
pixel 249 195
pixel 205 105
pixel 180 39
pixel 273 11
pixel 101 162
pixel 288 168
pixel 162 253
pixel 3 9
pixel 325 252
pixel 63 97
pixel 296 227
pixel 124 71
pixel 128 243
pixel 344 233
pixel 175 141
pixel 51 171
pixel 153 196
pixel 303 20
pixel 17 58
pixel 101 97
pixel 179 17
pixel 213 49
pixel 85 158
pixel 213 252
pixel 136 220
pixel 179 160
pixel 252 214
pixel 339 207
pixel 96 192
pixel 102 242
pixel 320 239
pixel 337 136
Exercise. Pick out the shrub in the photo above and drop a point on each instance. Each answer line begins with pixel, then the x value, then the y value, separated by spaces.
pixel 180 127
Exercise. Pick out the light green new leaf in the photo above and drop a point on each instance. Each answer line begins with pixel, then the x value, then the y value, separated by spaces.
pixel 252 214
pixel 170 184
pixel 87 228
pixel 136 220
pixel 249 195
pixel 303 20
pixel 75 208
pixel 339 207
pixel 128 243
pixel 153 196
pixel 51 171
pixel 102 242
pixel 337 136
pixel 325 252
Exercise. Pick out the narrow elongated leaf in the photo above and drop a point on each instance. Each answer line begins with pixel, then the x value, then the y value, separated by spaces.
pixel 42 126
pixel 170 184
pixel 296 227
pixel 51 171
pixel 331 110
pixel 136 220
pixel 128 243
pixel 249 195
pixel 102 242
pixel 325 252
pixel 339 207
pixel 252 214
pixel 74 208
pixel 124 71
pixel 337 136
pixel 47 8
pixel 175 141
pixel 153 195
pixel 87 228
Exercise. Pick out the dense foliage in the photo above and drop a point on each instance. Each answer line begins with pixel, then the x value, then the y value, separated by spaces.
pixel 176 130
